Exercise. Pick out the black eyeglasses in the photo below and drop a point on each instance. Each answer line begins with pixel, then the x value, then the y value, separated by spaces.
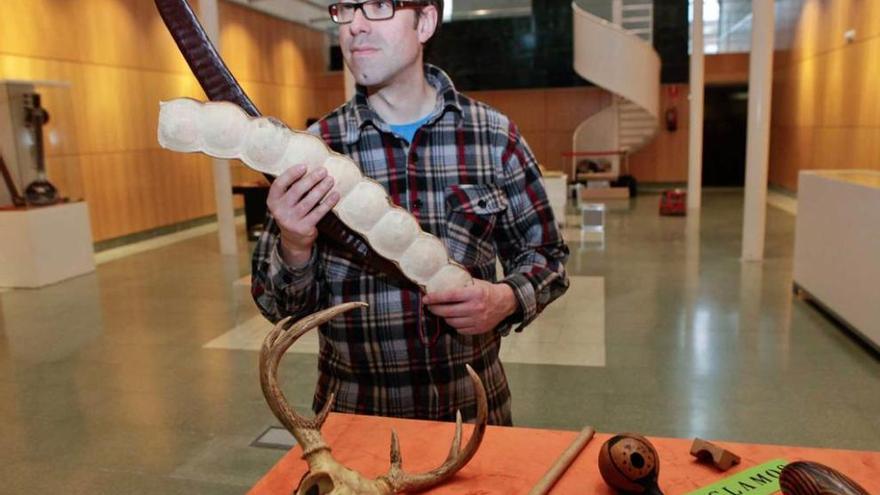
pixel 374 10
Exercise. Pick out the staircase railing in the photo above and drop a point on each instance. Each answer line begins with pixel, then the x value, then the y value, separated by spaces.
pixel 618 57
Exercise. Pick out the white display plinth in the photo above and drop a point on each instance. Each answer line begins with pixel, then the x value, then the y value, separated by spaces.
pixel 837 245
pixel 556 185
pixel 41 246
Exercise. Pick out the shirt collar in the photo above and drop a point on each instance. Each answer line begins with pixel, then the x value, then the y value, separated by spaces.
pixel 359 114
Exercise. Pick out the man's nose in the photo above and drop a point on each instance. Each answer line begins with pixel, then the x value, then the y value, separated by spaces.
pixel 359 23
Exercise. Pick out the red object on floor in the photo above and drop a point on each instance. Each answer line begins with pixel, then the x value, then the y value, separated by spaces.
pixel 673 202
pixel 511 460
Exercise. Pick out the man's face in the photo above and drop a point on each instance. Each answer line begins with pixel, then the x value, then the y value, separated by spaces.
pixel 377 51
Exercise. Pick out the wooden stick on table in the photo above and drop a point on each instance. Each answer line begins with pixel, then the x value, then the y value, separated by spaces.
pixel 562 464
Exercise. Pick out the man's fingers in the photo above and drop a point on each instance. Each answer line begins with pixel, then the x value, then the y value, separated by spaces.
pixel 309 201
pixel 449 296
pixel 282 182
pixel 451 310
pixel 323 207
pixel 302 186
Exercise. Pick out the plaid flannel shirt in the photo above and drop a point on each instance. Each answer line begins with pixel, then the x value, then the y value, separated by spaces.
pixel 471 180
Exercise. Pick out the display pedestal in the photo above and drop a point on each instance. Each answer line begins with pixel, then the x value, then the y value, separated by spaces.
pixel 41 246
pixel 556 184
pixel 837 246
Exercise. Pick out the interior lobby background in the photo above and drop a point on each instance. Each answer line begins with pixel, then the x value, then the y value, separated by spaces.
pixel 120 62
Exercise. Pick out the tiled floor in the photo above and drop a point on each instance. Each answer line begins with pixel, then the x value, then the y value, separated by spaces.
pixel 107 384
pixel 782 201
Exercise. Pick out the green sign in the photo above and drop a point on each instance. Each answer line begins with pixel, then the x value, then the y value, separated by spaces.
pixel 760 480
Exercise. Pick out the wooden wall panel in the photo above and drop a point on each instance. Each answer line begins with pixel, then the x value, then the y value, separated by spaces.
pixel 270 50
pixel 844 147
pixel 790 150
pixel 826 107
pixel 852 79
pixel 173 186
pixel 665 159
pixel 66 175
pixel 118 33
pixel 526 107
pixel 326 100
pixel 537 142
pixel 821 25
pixel 121 62
pixel 727 68
pixel 557 143
pixel 548 118
pixel 567 108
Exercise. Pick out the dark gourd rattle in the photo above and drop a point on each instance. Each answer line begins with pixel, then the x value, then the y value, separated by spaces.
pixel 630 464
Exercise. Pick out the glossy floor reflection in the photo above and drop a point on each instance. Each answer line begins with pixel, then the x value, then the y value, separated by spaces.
pixel 106 384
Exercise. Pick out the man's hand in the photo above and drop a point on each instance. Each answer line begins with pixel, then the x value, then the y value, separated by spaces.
pixel 294 201
pixel 476 309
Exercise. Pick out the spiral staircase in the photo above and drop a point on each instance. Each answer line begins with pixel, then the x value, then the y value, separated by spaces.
pixel 619 57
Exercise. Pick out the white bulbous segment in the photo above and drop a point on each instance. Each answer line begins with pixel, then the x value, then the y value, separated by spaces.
pixel 346 175
pixel 447 278
pixel 394 233
pixel 223 130
pixel 362 208
pixel 224 127
pixel 265 145
pixel 423 258
pixel 179 125
pixel 305 149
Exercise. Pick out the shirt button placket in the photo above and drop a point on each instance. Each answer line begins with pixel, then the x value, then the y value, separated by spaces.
pixel 416 203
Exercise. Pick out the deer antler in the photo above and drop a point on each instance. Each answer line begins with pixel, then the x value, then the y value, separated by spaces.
pixel 307 432
pixel 401 481
pixel 326 475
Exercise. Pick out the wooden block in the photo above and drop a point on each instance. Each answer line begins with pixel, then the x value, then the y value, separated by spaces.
pixel 706 451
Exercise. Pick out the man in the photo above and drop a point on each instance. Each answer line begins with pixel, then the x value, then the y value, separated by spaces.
pixel 463 170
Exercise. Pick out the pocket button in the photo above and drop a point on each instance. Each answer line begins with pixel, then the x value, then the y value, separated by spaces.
pixel 481 203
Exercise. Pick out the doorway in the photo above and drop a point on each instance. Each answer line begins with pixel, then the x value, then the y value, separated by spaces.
pixel 724 135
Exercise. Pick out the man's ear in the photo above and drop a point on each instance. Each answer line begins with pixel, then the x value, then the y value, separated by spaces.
pixel 427 22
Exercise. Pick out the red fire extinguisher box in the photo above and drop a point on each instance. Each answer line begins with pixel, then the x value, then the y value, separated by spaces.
pixel 673 202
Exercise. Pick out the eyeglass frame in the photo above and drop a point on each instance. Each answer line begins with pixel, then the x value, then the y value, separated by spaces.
pixel 395 5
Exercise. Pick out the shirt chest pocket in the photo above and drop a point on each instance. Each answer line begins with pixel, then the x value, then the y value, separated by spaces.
pixel 472 214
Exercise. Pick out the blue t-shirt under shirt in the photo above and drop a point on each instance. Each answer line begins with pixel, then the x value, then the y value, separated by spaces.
pixel 407 131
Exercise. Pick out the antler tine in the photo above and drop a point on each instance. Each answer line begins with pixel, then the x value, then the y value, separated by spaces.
pixel 276 343
pixel 276 331
pixel 401 481
pixel 322 414
pixel 456 439
pixel 396 459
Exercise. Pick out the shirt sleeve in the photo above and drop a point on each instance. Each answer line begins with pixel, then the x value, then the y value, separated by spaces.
pixel 279 290
pixel 530 245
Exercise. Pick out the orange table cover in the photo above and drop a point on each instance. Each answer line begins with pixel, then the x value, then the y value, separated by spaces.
pixel 511 460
